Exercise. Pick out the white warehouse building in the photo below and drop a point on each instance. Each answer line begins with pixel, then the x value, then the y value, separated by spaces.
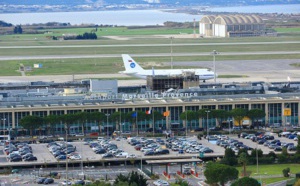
pixel 231 26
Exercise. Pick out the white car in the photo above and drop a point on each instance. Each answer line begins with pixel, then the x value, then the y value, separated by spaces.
pixel 66 183
pixel 75 157
pixel 144 149
pixel 122 155
pixel 161 183
pixel 131 156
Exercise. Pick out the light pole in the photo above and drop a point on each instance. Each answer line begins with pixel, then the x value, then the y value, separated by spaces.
pixel 9 129
pixel 214 53
pixel 256 160
pixel 66 128
pixel 122 131
pixel 3 119
pixel 153 123
pixel 141 156
pixel 207 128
pixel 186 123
pixel 107 115
pixel 171 52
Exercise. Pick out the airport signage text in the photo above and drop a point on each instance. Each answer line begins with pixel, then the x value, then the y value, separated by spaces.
pixel 144 96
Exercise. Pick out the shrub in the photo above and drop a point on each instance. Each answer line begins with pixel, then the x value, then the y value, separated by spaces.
pixel 246 181
pixel 286 172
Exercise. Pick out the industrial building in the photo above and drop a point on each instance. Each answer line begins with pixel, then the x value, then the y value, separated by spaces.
pixel 231 26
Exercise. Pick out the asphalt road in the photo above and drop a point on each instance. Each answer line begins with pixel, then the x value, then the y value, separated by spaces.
pixel 142 55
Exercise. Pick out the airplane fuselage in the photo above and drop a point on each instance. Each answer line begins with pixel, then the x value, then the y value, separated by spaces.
pixel 202 73
pixel 132 68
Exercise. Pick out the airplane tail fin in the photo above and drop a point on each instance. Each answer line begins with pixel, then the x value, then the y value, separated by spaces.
pixel 130 65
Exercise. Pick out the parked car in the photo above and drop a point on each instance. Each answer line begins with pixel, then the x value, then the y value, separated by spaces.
pixel 75 157
pixel 149 153
pixel 277 148
pixel 40 180
pixel 199 129
pixel 291 148
pixel 48 181
pixel 107 155
pixel 122 155
pixel 207 150
pixel 100 151
pixel 61 157
pixel 65 183
pixel 79 182
pixel 161 183
pixel 31 158
pixel 16 159
pixel 131 156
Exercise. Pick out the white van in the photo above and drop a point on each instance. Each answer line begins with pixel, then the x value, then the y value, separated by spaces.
pixel 187 170
pixel 285 133
pixel 122 155
pixel 100 138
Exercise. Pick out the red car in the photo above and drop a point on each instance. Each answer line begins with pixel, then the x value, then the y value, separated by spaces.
pixel 138 147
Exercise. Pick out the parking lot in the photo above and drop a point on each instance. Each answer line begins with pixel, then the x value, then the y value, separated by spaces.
pixel 107 170
pixel 88 155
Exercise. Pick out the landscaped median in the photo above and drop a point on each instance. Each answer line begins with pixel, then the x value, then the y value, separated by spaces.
pixel 271 173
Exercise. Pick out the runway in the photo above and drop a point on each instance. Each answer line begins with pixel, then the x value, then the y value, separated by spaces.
pixel 253 70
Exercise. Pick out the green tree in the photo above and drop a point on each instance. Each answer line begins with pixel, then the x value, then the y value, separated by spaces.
pixel 286 172
pixel 118 117
pixel 155 116
pixel 219 173
pixel 121 178
pixel 298 145
pixel 181 182
pixel 18 29
pixel 220 115
pixel 31 122
pixel 243 151
pixel 255 115
pixel 229 157
pixel 297 183
pixel 132 179
pixel 67 120
pixel 202 113
pixel 188 116
pixel 284 156
pixel 82 118
pixel 101 183
pixel 238 114
pixel 98 117
pixel 135 177
pixel 136 116
pixel 243 159
pixel 122 184
pixel 259 153
pixel 51 121
pixel 246 181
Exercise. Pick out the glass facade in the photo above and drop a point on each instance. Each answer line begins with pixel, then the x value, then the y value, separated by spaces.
pixel 194 123
pixel 5 122
pixel 274 114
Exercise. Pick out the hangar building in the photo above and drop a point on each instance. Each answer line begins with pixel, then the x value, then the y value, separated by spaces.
pixel 231 26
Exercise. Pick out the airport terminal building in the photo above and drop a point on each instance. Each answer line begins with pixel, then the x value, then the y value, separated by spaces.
pixel 45 102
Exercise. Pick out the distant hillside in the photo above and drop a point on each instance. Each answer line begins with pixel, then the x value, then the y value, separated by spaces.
pixel 125 2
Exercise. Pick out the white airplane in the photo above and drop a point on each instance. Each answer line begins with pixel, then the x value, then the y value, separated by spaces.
pixel 132 68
